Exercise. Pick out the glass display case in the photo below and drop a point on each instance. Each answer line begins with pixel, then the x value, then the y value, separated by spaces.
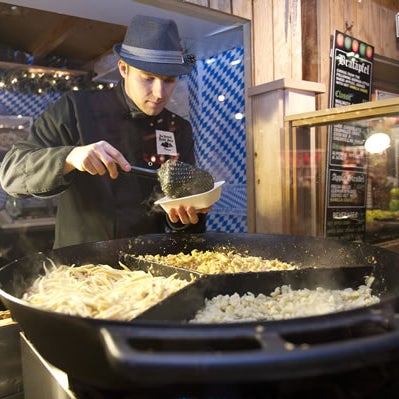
pixel 341 173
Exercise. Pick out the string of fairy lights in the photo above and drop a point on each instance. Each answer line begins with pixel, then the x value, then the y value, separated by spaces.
pixel 33 80
pixel 30 82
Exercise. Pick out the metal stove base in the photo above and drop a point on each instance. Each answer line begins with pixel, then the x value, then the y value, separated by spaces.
pixel 44 381
pixel 11 384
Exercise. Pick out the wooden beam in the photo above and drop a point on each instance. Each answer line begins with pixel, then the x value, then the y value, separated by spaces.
pixel 345 113
pixel 196 9
pixel 310 50
pixel 52 38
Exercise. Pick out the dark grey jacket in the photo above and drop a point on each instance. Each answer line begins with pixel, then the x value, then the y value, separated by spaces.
pixel 95 208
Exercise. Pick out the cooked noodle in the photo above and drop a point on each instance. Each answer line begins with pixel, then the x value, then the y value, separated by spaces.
pixel 218 262
pixel 100 291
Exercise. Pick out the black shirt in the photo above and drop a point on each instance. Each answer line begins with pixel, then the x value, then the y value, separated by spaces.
pixel 96 208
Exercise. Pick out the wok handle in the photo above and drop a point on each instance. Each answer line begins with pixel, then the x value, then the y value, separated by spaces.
pixel 212 354
pixel 143 172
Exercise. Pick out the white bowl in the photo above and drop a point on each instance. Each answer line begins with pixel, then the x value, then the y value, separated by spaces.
pixel 199 201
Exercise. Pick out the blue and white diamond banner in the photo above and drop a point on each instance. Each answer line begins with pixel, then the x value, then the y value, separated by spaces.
pixel 216 89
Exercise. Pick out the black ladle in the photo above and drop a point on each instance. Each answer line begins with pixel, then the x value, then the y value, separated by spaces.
pixel 178 179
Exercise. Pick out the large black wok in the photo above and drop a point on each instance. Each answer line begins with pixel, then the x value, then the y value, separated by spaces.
pixel 161 347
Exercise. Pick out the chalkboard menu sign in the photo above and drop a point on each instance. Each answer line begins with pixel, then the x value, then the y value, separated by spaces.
pixel 351 70
pixel 346 146
pixel 347 187
pixel 350 83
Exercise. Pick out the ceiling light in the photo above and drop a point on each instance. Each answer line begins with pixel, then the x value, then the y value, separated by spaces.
pixel 239 115
pixel 377 142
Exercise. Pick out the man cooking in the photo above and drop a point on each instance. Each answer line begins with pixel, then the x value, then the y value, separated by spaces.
pixel 81 148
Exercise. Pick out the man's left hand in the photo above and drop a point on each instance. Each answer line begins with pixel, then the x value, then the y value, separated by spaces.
pixel 187 215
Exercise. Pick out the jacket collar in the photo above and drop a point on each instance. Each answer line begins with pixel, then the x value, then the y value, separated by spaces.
pixel 134 111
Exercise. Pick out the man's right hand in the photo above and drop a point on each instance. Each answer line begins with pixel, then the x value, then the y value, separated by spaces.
pixel 96 159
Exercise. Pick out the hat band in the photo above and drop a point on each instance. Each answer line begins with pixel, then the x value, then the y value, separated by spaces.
pixel 149 55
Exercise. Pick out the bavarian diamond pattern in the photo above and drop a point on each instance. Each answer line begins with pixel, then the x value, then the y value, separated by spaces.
pixel 219 136
pixel 25 104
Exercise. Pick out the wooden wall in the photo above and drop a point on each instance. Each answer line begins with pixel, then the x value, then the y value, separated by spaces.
pixel 290 43
pixel 275 35
pixel 290 37
pixel 372 21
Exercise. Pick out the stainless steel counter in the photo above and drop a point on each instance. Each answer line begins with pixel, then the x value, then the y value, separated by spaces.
pixel 11 385
pixel 41 379
pixel 32 224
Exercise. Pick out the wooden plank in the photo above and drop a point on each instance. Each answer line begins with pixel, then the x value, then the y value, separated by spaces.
pixel 387 33
pixel 221 5
pixel 263 65
pixel 203 3
pixel 296 39
pixel 390 4
pixel 348 17
pixel 196 9
pixel 282 58
pixel 374 29
pixel 324 42
pixel 310 48
pixel 363 21
pixel 242 8
pixel 339 17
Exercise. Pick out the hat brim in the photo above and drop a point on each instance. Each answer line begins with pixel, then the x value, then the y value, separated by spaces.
pixel 155 67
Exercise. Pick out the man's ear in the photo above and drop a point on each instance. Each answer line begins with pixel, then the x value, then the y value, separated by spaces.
pixel 122 68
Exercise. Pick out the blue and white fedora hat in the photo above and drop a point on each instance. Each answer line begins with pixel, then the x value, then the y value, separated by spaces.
pixel 153 45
